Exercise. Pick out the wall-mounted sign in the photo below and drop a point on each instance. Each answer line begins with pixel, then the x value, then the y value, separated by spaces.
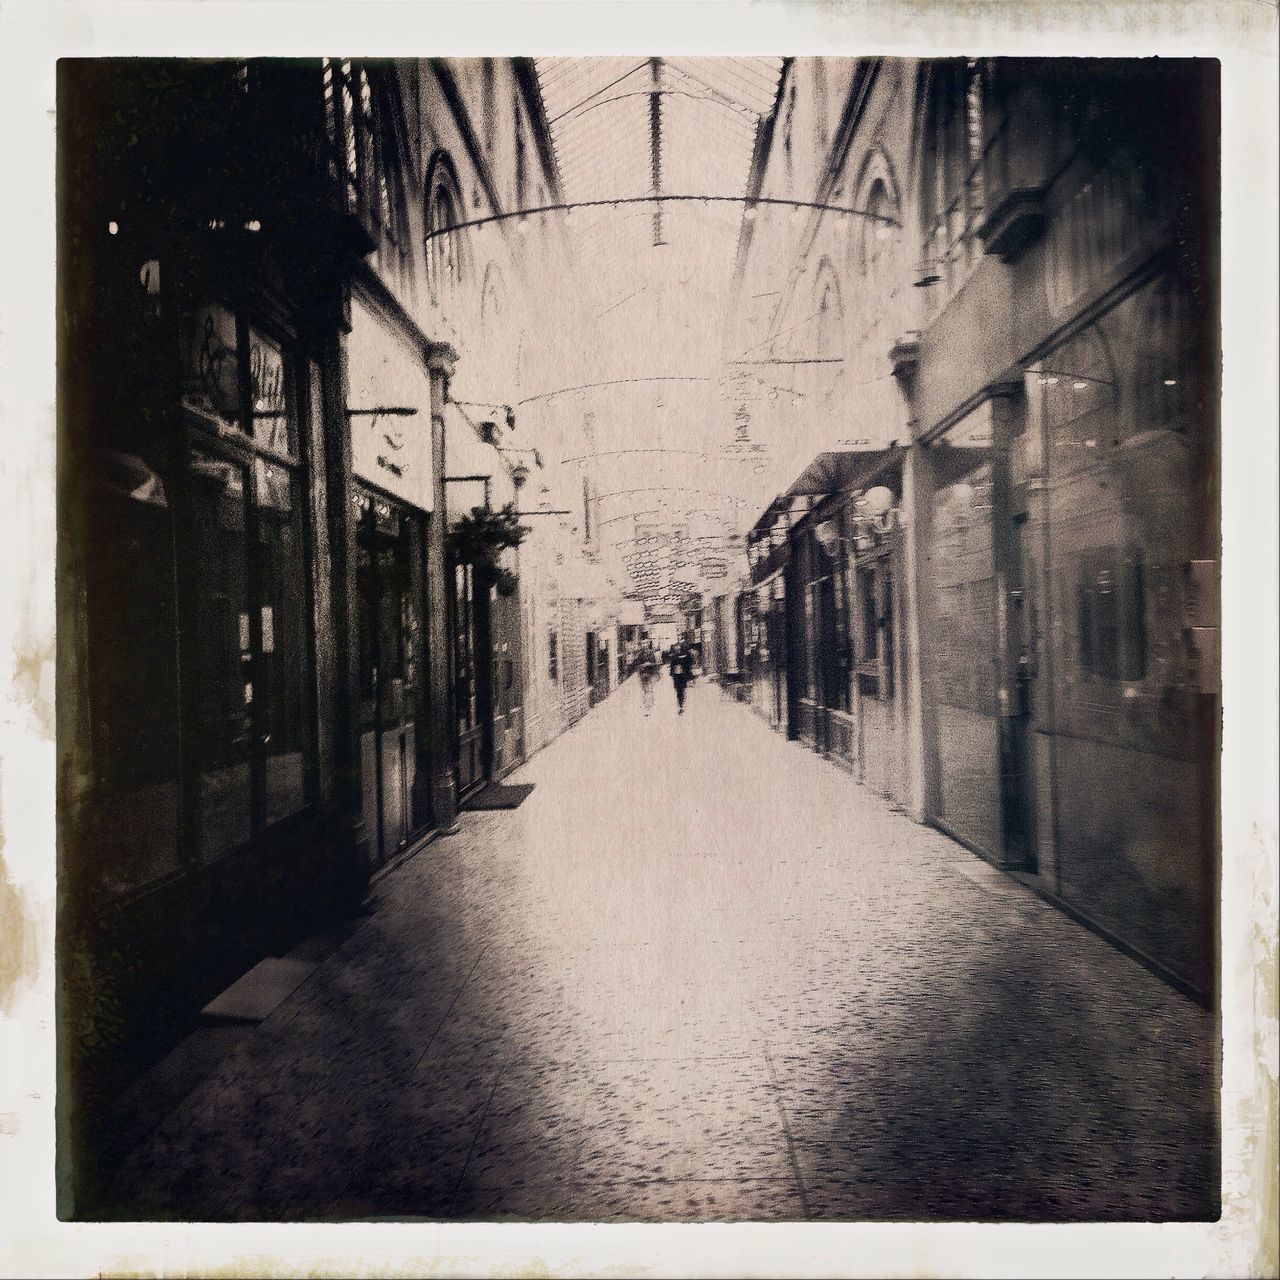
pixel 392 448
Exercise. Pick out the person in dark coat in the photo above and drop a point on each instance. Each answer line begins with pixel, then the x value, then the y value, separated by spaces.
pixel 681 672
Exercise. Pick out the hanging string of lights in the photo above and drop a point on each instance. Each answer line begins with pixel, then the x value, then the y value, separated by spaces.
pixel 609 453
pixel 615 382
pixel 752 203
pixel 677 488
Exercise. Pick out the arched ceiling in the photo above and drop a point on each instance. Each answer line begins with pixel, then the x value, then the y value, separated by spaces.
pixel 652 286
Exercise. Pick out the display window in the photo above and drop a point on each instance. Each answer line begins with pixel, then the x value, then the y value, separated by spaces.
pixel 244 560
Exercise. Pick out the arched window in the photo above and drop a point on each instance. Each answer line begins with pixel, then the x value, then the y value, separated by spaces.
pixel 951 172
pixel 829 317
pixel 876 231
pixel 445 248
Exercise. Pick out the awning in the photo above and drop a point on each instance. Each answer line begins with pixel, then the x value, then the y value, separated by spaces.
pixel 848 469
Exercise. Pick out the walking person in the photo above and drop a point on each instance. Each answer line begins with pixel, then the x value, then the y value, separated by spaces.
pixel 649 669
pixel 681 672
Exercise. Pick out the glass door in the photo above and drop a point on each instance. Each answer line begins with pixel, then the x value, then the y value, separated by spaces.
pixel 389 585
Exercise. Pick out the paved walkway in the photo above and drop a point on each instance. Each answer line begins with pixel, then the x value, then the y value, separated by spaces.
pixel 700 973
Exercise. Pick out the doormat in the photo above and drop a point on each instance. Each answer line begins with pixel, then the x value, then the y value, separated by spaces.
pixel 498 796
pixel 254 997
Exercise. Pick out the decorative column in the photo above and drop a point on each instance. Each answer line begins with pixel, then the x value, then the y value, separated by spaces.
pixel 441 361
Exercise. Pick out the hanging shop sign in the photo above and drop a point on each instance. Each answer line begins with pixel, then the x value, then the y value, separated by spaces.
pixel 389 409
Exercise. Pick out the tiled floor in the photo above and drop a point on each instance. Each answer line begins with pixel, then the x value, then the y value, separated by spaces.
pixel 701 974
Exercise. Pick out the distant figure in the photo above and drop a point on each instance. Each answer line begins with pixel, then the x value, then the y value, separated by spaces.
pixel 649 669
pixel 681 672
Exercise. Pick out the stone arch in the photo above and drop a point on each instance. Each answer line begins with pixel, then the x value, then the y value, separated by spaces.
pixel 828 307
pixel 447 256
pixel 876 189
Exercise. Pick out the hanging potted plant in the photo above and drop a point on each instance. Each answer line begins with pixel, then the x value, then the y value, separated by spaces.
pixel 480 538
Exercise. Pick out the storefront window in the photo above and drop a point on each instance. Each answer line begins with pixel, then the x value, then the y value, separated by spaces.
pixel 221 738
pixel 271 420
pixel 1111 613
pixel 252 740
pixel 211 368
pixel 133 672
pixel 285 726
pixel 875 629
pixel 963 640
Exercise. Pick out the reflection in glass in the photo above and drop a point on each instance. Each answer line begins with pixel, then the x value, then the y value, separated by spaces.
pixel 133 675
pixel 221 743
pixel 267 392
pixel 211 373
pixel 964 634
pixel 284 715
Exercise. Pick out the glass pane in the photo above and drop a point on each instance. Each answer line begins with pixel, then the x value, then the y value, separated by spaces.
pixel 211 369
pixel 133 675
pixel 284 709
pixel 964 634
pixel 271 426
pixel 224 677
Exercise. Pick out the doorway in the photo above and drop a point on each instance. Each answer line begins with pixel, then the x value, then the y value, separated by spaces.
pixel 473 695
pixel 390 589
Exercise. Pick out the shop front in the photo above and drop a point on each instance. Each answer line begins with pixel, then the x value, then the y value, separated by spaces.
pixel 486 618
pixel 964 675
pixel 1116 475
pixel 389 408
pixel 767 635
pixel 248 654
pixel 844 614
pixel 821 644
pixel 198 828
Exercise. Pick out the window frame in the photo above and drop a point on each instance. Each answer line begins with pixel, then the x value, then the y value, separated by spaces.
pixel 364 154
pixel 446 257
pixel 953 195
pixel 245 450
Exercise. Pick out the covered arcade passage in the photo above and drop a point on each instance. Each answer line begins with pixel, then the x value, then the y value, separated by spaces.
pixel 418 408
pixel 614 1002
